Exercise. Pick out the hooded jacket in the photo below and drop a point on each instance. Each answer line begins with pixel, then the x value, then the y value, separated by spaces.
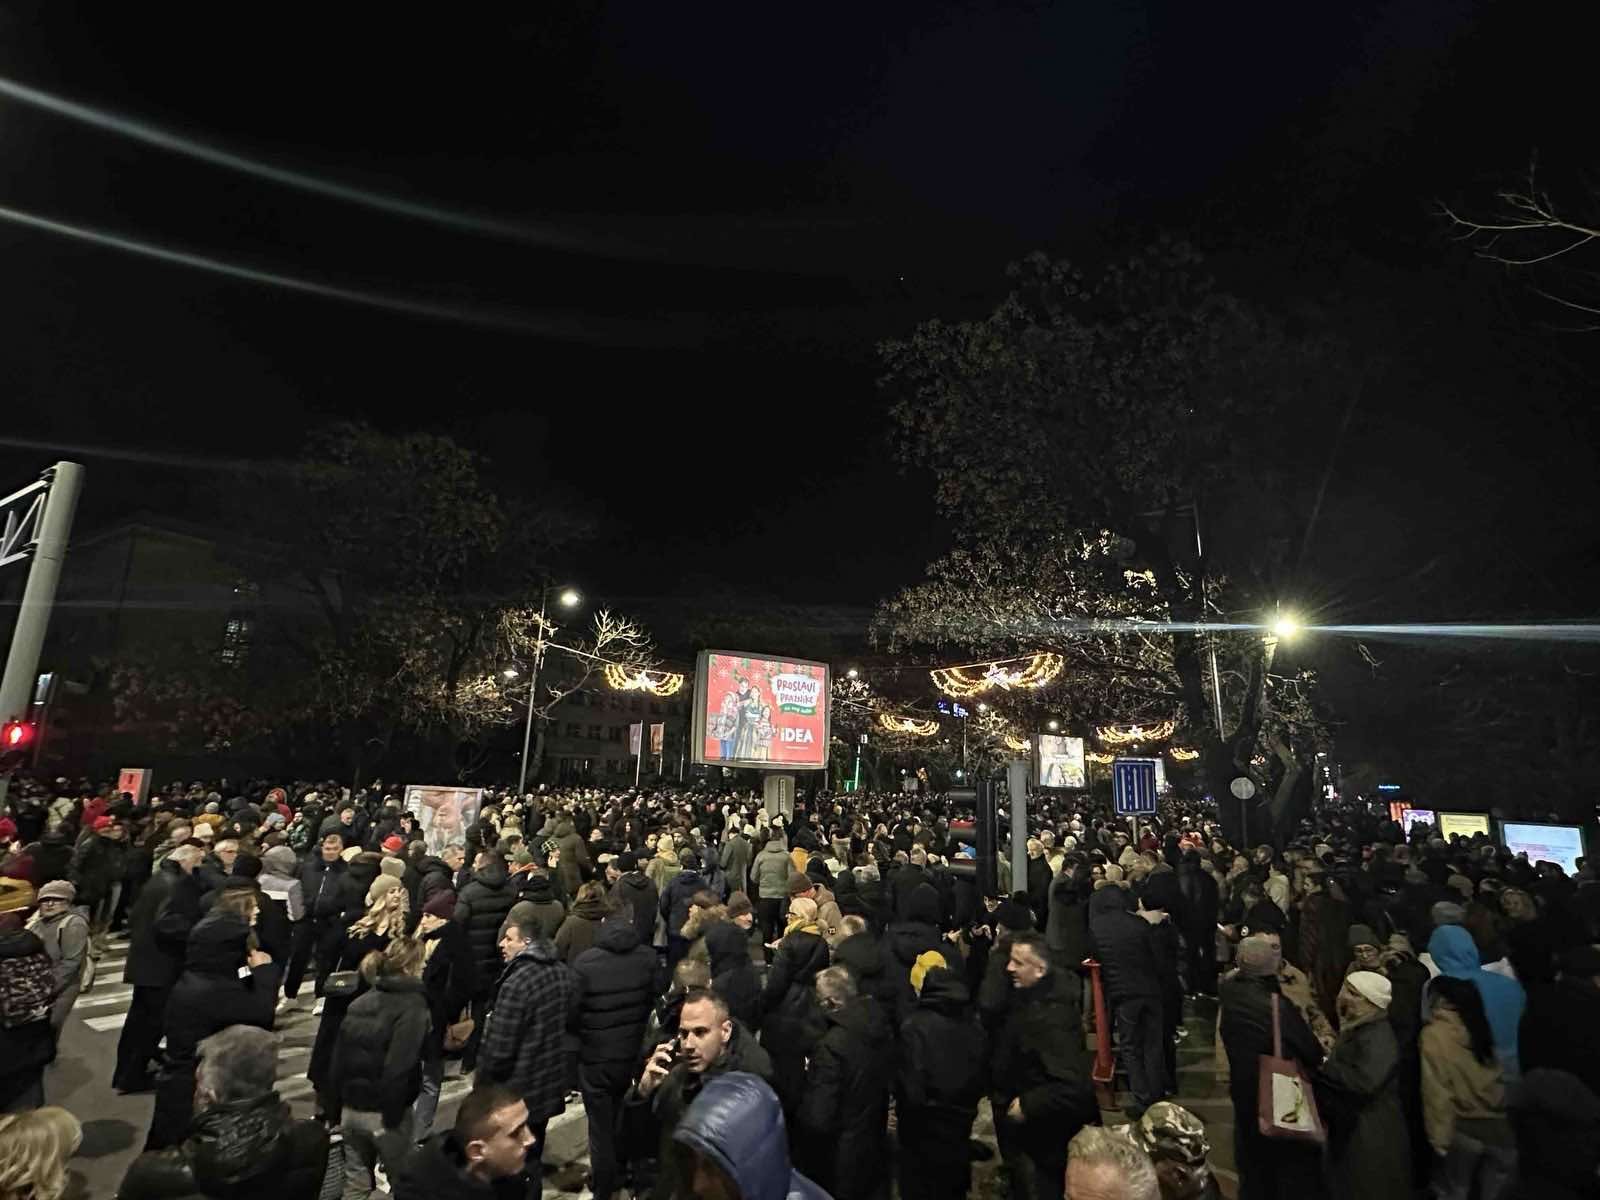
pixel 733 974
pixel 481 909
pixel 942 1066
pixel 872 967
pixel 736 1122
pixel 243 1150
pixel 842 1120
pixel 579 929
pixel 769 872
pixel 1123 944
pixel 615 981
pixel 1455 1084
pixel 1456 955
pixel 639 894
pixel 675 898
pixel 158 927
pixel 377 1061
pixel 574 856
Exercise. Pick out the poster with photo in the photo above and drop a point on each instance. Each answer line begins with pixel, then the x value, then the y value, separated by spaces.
pixel 751 711
pixel 443 813
pixel 1061 763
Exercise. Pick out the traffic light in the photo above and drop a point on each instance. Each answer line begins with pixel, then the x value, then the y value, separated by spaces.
pixel 17 740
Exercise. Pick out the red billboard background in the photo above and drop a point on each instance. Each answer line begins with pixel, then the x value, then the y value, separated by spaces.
pixel 764 712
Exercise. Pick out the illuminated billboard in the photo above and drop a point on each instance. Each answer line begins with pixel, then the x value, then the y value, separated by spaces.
pixel 1560 844
pixel 443 812
pixel 1060 761
pixel 1466 824
pixel 768 713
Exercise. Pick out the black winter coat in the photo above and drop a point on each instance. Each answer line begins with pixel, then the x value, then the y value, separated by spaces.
pixel 450 977
pixel 245 1150
pixel 844 1110
pixel 208 997
pixel 639 894
pixel 872 967
pixel 1067 928
pixel 674 904
pixel 437 1170
pixel 1200 902
pixel 902 884
pixel 1124 947
pixel 158 927
pixel 481 909
pixel 433 877
pixel 1246 1031
pixel 791 1019
pixel 328 893
pixel 377 1062
pixel 615 986
pixel 733 974
pixel 1039 1058
pixel 942 1071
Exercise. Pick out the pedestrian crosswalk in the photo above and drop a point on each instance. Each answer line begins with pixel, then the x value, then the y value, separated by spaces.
pixel 104 1010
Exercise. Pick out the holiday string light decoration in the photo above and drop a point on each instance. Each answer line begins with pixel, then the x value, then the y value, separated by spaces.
pixel 1095 756
pixel 971 679
pixel 912 725
pixel 1183 754
pixel 1018 744
pixel 659 683
pixel 1132 735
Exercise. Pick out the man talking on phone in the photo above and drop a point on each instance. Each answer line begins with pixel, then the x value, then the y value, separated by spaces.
pixel 709 1043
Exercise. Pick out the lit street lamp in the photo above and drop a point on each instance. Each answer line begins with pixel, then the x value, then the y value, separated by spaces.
pixel 569 598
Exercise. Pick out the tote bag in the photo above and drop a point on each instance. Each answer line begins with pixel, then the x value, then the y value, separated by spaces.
pixel 1285 1107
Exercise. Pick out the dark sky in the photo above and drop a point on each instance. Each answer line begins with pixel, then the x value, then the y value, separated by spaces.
pixel 787 184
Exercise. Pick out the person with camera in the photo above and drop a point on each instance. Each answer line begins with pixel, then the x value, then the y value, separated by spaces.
pixel 709 1043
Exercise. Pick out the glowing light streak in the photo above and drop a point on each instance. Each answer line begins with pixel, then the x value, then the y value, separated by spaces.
pixel 912 725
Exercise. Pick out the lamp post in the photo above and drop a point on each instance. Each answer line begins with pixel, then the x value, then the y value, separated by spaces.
pixel 569 598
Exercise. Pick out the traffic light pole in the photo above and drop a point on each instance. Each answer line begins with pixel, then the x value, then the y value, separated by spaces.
pixel 49 547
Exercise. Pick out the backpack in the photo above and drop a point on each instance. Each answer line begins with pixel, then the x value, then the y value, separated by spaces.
pixel 27 985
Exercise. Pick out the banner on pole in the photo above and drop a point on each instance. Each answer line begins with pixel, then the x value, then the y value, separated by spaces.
pixel 1061 761
pixel 634 732
pixel 135 781
pixel 443 813
pixel 658 737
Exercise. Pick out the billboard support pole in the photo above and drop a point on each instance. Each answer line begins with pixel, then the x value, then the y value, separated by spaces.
pixel 52 514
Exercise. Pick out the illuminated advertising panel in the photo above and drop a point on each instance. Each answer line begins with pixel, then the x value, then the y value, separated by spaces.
pixel 768 713
pixel 443 812
pixel 1060 761
pixel 1466 824
pixel 1560 844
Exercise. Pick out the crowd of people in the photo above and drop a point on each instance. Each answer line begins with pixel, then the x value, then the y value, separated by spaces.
pixel 751 1004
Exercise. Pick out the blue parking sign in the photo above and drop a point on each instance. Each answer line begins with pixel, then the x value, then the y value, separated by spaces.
pixel 1133 786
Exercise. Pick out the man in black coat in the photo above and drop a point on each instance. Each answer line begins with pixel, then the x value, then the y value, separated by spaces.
pixel 842 1120
pixel 242 1143
pixel 481 909
pixel 904 881
pixel 616 985
pixel 1199 924
pixel 942 1068
pixel 330 907
pixel 1041 1091
pixel 158 933
pixel 633 886
pixel 1126 950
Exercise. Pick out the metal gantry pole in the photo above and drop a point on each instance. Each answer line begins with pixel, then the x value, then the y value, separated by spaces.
pixel 533 693
pixel 39 593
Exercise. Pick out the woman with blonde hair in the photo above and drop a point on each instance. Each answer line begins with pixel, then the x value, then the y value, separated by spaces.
pixel 388 916
pixel 34 1148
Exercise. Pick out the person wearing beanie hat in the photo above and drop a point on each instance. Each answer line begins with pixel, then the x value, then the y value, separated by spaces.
pixel 381 887
pixel 393 867
pixel 1365 949
pixel 278 883
pixel 393 844
pixel 740 911
pixel 1248 996
pixel 1369 1141
pixel 65 934
pixel 441 904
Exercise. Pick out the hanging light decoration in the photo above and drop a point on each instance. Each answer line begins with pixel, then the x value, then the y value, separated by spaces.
pixel 1020 745
pixel 658 683
pixel 1183 754
pixel 1133 735
pixel 1095 756
pixel 912 725
pixel 970 679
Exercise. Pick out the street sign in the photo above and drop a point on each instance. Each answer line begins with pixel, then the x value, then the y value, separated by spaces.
pixel 1242 788
pixel 1133 786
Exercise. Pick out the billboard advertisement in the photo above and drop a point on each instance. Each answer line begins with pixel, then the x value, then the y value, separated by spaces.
pixel 443 813
pixel 768 713
pixel 1416 816
pixel 1560 844
pixel 1060 761
pixel 1466 824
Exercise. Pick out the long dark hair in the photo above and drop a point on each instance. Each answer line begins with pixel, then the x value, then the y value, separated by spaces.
pixel 1462 995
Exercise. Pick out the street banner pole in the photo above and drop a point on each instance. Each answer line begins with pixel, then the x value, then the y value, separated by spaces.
pixel 65 481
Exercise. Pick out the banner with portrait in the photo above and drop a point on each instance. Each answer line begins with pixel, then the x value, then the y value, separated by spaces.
pixel 444 813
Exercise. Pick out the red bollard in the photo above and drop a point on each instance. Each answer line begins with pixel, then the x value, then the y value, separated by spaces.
pixel 1104 1072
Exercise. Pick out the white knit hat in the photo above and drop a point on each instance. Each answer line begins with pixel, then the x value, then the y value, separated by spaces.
pixel 1375 987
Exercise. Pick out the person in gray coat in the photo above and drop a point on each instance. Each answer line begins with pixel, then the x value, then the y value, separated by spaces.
pixel 735 859
pixel 1358 1094
pixel 65 933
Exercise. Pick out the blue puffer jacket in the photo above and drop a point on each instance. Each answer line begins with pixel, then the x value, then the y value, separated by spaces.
pixel 737 1123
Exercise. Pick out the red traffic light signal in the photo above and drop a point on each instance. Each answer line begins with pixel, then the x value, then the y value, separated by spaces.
pixel 16 735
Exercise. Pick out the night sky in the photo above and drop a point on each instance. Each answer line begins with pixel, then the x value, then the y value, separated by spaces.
pixel 754 195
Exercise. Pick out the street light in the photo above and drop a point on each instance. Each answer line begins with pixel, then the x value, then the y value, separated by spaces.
pixel 1054 725
pixel 983 708
pixel 852 673
pixel 569 598
pixel 509 672
pixel 1286 626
